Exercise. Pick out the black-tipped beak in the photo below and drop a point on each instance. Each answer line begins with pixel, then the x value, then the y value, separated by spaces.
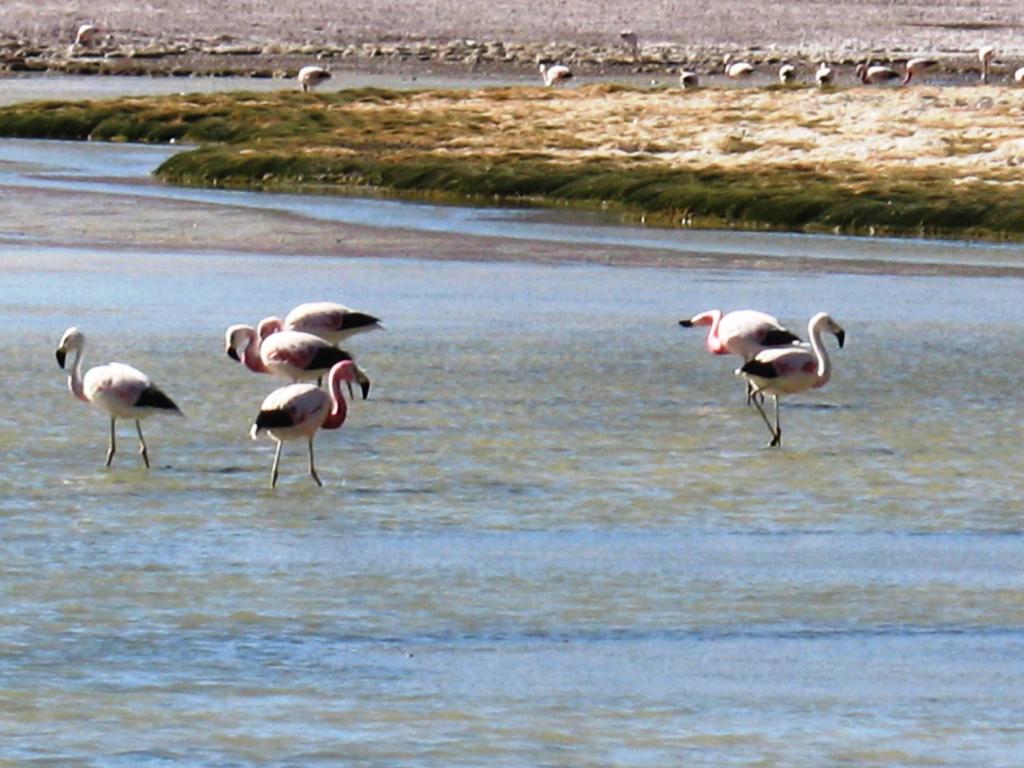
pixel 61 357
pixel 841 336
pixel 232 353
pixel 686 323
pixel 365 387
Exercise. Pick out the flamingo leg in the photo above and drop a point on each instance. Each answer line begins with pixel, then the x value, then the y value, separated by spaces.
pixel 143 451
pixel 777 439
pixel 767 421
pixel 113 443
pixel 312 469
pixel 277 461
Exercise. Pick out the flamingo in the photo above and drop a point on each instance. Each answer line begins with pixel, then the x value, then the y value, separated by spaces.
pixel 86 35
pixel 737 70
pixel 688 80
pixel 985 55
pixel 629 37
pixel 299 410
pixel 1018 76
pixel 791 370
pixel 787 74
pixel 877 74
pixel 330 321
pixel 289 354
pixel 555 74
pixel 310 77
pixel 825 75
pixel 122 391
pixel 918 67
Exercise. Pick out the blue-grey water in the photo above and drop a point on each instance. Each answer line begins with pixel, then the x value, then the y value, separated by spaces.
pixel 554 534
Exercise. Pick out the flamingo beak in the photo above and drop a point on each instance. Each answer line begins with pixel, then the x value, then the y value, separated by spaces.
pixel 61 357
pixel 841 337
pixel 365 387
pixel 233 354
pixel 686 323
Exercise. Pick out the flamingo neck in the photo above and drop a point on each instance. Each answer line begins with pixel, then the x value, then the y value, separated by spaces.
pixel 251 357
pixel 713 318
pixel 820 352
pixel 339 407
pixel 75 378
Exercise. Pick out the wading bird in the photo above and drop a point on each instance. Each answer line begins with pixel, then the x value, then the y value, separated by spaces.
pixel 688 80
pixel 1018 76
pixel 825 75
pixel 985 55
pixel 918 67
pixel 289 354
pixel 874 75
pixel 737 70
pixel 122 391
pixel 791 370
pixel 787 74
pixel 629 37
pixel 556 74
pixel 310 77
pixel 299 410
pixel 330 321
pixel 86 35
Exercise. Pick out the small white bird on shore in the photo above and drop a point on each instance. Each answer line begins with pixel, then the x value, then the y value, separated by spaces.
pixel 310 77
pixel 787 74
pixel 688 80
pixel 985 55
pixel 825 75
pixel 556 74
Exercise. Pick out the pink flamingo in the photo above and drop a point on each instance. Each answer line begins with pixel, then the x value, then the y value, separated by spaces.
pixel 330 321
pixel 743 332
pixel 985 55
pixel 299 410
pixel 290 354
pixel 918 67
pixel 877 74
pixel 122 391
pixel 790 370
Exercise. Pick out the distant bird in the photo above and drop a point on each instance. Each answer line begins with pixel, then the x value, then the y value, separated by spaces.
pixel 919 67
pixel 738 70
pixel 86 35
pixel 787 74
pixel 289 354
pixel 556 74
pixel 688 80
pixel 825 75
pixel 874 75
pixel 629 37
pixel 985 55
pixel 1018 76
pixel 330 321
pixel 299 410
pixel 310 77
pixel 791 370
pixel 122 391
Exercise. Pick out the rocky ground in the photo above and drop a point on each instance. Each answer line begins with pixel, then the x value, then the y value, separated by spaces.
pixel 272 39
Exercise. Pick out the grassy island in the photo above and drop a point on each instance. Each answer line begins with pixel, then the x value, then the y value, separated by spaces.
pixel 921 161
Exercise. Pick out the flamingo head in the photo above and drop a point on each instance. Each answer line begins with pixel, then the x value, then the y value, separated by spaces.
pixel 237 337
pixel 826 323
pixel 72 341
pixel 267 326
pixel 861 70
pixel 704 318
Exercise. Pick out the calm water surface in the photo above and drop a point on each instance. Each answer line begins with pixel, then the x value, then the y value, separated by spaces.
pixel 552 536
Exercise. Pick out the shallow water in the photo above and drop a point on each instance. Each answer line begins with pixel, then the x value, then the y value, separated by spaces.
pixel 552 536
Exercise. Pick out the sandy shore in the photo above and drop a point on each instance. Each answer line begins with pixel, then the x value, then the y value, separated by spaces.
pixel 267 39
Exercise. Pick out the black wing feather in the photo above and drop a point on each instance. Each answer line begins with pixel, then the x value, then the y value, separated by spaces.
pixel 154 397
pixel 779 337
pixel 326 357
pixel 757 368
pixel 354 320
pixel 273 419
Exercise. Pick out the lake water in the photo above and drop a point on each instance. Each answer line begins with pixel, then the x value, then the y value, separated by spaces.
pixel 554 534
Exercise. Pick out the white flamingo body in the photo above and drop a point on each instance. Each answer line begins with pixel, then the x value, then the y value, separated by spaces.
pixel 918 67
pixel 789 371
pixel 556 74
pixel 985 55
pixel 688 80
pixel 1018 76
pixel 298 411
pixel 330 321
pixel 742 332
pixel 86 35
pixel 310 77
pixel 787 74
pixel 824 75
pixel 877 74
pixel 122 391
pixel 738 70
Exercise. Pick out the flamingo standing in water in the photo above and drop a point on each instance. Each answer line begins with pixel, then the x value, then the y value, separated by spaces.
pixel 791 370
pixel 122 391
pixel 919 67
pixel 299 410
pixel 290 354
pixel 688 80
pixel 737 70
pixel 787 74
pixel 874 75
pixel 86 35
pixel 556 74
pixel 825 75
pixel 310 77
pixel 330 321
pixel 985 55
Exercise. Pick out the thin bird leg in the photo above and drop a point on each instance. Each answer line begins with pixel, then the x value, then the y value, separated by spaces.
pixel 113 443
pixel 277 460
pixel 767 421
pixel 143 451
pixel 312 469
pixel 364 383
pixel 777 440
